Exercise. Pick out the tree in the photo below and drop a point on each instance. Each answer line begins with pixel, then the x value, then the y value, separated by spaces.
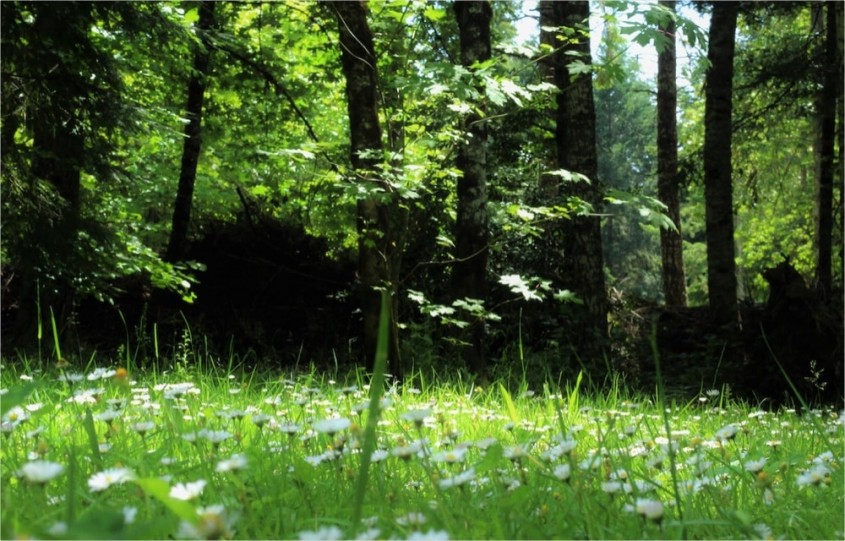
pixel 575 138
pixel 377 243
pixel 469 274
pixel 721 266
pixel 62 102
pixel 671 247
pixel 193 130
pixel 824 148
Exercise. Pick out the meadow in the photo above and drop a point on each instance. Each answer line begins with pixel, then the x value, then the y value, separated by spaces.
pixel 106 453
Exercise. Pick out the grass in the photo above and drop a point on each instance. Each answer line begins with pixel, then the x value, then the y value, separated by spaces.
pixel 212 455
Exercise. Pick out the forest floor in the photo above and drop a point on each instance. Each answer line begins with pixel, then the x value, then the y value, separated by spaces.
pixel 104 453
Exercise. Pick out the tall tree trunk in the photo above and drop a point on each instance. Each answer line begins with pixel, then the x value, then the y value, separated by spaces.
pixel 193 139
pixel 58 146
pixel 377 237
pixel 549 184
pixel 469 274
pixel 825 145
pixel 721 266
pixel 840 132
pixel 575 138
pixel 671 246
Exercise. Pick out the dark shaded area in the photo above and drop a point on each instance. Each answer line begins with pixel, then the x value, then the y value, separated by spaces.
pixel 795 328
pixel 267 289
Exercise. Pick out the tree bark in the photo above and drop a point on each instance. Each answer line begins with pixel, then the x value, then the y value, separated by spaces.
pixel 825 148
pixel 193 136
pixel 549 184
pixel 377 237
pixel 58 143
pixel 721 265
pixel 469 274
pixel 671 245
pixel 575 138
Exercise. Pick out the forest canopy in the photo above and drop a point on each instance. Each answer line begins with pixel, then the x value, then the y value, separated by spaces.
pixel 260 173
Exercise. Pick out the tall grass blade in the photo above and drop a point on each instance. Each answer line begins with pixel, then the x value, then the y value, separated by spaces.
pixel 58 349
pixel 572 400
pixel 506 397
pixel 38 323
pixel 155 340
pixel 126 330
pixel 376 392
pixel 93 442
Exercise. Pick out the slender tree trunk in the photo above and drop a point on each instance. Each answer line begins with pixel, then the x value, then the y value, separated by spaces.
pixel 549 184
pixel 469 274
pixel 825 145
pixel 377 238
pixel 576 151
pixel 193 136
pixel 671 246
pixel 721 266
pixel 840 132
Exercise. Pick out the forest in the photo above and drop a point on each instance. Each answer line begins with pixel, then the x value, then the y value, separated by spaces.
pixel 244 182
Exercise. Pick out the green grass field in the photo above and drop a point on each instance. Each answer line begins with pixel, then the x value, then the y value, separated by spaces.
pixel 102 453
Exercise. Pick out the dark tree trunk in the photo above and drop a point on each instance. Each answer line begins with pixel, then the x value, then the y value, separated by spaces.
pixel 583 269
pixel 840 135
pixel 193 136
pixel 469 274
pixel 377 237
pixel 671 246
pixel 721 266
pixel 58 144
pixel 825 148
pixel 549 184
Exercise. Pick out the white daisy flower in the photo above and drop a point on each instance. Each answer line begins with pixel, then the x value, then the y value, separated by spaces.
pixel 107 416
pixel 417 416
pixel 412 519
pixel 214 523
pixel 727 433
pixel 814 476
pixel 143 427
pixel 40 471
pixel 233 463
pixel 450 457
pixel 754 466
pixel 187 491
pixel 104 479
pixel 331 426
pixel 650 509
pixel 457 480
pixel 562 472
pixel 129 514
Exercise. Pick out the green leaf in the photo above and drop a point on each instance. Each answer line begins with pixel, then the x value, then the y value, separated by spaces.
pixel 564 295
pixel 517 284
pixel 191 16
pixel 433 14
